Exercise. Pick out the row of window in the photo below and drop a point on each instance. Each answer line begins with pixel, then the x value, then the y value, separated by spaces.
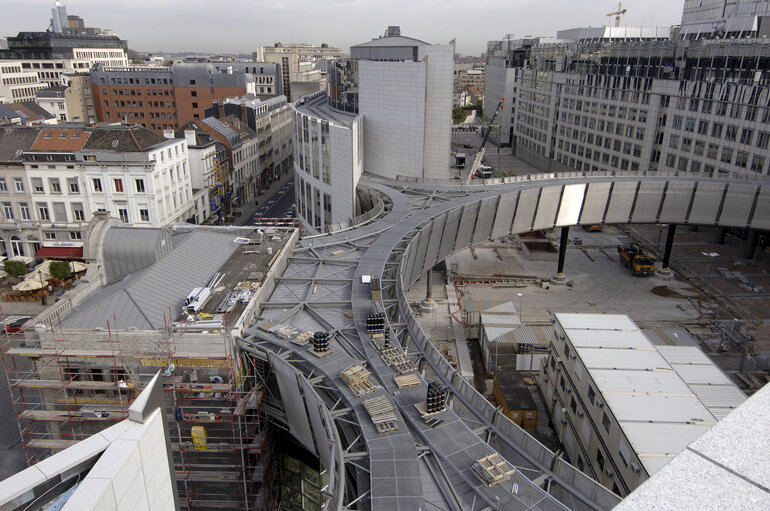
pixel 73 187
pixel 59 210
pixel 140 104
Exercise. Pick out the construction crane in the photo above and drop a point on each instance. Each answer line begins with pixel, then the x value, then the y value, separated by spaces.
pixel 618 12
pixel 480 154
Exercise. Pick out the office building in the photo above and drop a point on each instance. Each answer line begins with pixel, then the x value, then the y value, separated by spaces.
pixel 53 101
pixel 303 67
pixel 161 98
pixel 622 406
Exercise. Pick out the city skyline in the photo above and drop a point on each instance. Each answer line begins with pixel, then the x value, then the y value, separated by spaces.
pixel 188 25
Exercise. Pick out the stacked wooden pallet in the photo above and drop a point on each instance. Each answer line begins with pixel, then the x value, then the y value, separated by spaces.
pixel 395 358
pixel 357 378
pixel 407 380
pixel 382 414
pixel 493 469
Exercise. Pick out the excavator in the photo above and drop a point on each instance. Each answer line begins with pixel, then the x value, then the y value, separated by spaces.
pixel 480 155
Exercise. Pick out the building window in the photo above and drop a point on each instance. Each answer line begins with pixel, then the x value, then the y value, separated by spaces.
pixel 573 404
pixel 37 185
pixel 591 394
pixel 600 458
pixel 123 214
pixel 77 212
pixel 97 184
pixel 76 235
pixel 139 185
pixel 55 186
pixel 606 422
pixel 194 93
pixel 144 215
pixel 49 235
pixel 118 185
pixel 8 210
pixel 73 185
pixel 3 185
pixel 42 210
pixel 195 105
pixel 24 209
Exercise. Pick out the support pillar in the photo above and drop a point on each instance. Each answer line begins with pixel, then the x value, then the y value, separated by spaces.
pixel 665 272
pixel 559 279
pixel 751 244
pixel 719 235
pixel 428 304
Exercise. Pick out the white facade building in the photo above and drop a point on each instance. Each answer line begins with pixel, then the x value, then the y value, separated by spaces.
pixel 18 83
pixel 622 406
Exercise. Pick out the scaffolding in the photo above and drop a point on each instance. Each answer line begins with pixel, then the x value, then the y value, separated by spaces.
pixel 68 385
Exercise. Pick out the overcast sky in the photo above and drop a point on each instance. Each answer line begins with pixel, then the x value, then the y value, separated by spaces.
pixel 241 25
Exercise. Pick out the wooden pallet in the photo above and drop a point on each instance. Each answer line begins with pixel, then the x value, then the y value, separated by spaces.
pixel 302 338
pixel 382 414
pixel 493 469
pixel 423 409
pixel 407 380
pixel 395 358
pixel 322 354
pixel 357 378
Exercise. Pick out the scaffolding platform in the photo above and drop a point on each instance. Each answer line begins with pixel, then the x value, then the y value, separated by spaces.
pixel 65 416
pixel 50 443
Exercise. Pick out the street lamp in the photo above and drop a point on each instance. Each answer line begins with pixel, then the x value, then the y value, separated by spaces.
pixel 521 307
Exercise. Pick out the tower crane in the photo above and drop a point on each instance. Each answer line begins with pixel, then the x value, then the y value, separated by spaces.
pixel 618 12
pixel 480 154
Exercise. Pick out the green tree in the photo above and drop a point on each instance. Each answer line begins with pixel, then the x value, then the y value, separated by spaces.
pixel 14 268
pixel 480 107
pixel 60 270
pixel 458 115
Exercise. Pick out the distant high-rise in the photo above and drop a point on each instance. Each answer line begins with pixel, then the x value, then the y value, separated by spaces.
pixel 59 20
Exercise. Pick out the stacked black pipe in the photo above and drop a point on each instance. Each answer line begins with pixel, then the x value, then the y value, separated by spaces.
pixel 437 397
pixel 321 342
pixel 375 322
pixel 386 339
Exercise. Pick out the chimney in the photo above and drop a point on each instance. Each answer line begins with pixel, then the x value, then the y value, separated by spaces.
pixel 244 116
pixel 189 135
pixel 168 133
pixel 220 106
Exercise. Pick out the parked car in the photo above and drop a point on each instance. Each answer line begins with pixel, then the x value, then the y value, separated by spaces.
pixel 15 326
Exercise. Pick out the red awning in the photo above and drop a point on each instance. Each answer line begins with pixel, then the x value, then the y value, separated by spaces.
pixel 60 253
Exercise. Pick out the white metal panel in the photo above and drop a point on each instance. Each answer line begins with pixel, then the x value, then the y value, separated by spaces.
pixel 648 199
pixel 704 209
pixel 595 321
pixel 609 358
pixel 661 438
pixel 431 255
pixel 657 408
pixel 312 404
pixel 450 233
pixel 621 199
pixel 595 203
pixel 761 218
pixel 654 382
pixel 701 374
pixel 292 401
pixel 467 223
pixel 676 202
pixel 484 219
pixel 419 255
pixel 738 203
pixel 504 216
pixel 571 202
pixel 546 208
pixel 607 338
pixel 525 211
pixel 684 355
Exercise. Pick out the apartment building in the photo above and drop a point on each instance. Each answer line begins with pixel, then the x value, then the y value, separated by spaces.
pixel 51 187
pixel 623 406
pixel 160 98
pixel 78 98
pixel 53 101
pixel 298 63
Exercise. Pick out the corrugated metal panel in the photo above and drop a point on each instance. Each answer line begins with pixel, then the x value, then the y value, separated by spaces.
pixel 596 321
pixel 608 358
pixel 450 232
pixel 656 438
pixel 467 223
pixel 607 338
pixel 654 463
pixel 761 218
pixel 536 336
pixel 431 256
pixel 719 396
pixel 657 408
pixel 701 374
pixel 720 413
pixel 504 308
pixel 677 201
pixel 653 337
pixel 683 355
pixel 525 211
pixel 667 382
